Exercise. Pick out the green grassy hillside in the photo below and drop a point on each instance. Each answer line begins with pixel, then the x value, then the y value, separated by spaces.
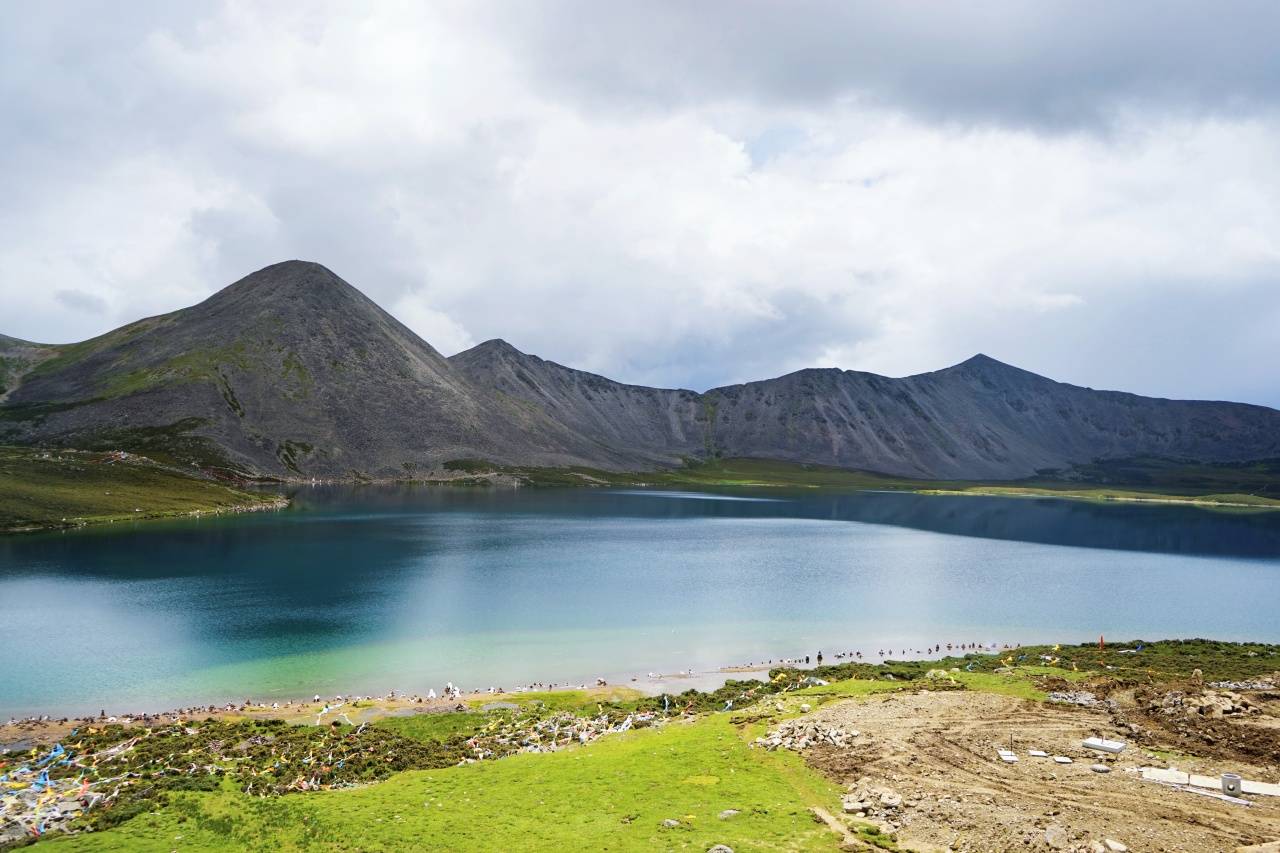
pixel 613 795
pixel 67 488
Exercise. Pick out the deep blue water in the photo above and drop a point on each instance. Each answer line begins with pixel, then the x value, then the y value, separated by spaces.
pixel 373 588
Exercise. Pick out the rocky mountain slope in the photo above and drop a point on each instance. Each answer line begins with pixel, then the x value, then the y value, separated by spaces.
pixel 291 372
pixel 664 424
pixel 980 419
pixel 17 358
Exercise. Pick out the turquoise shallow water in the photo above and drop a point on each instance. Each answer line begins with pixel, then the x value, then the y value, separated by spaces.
pixel 374 588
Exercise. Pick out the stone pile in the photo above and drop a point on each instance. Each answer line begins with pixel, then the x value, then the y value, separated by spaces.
pixel 1058 838
pixel 1083 698
pixel 866 800
pixel 33 811
pixel 1268 683
pixel 1207 704
pixel 551 734
pixel 802 733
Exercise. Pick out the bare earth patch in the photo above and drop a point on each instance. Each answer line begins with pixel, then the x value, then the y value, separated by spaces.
pixel 937 751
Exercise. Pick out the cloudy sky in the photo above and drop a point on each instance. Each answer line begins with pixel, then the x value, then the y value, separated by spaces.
pixel 684 194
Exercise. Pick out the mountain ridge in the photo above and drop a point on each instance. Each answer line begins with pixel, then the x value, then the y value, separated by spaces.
pixel 291 372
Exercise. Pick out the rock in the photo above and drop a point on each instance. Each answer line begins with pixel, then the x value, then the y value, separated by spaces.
pixel 854 805
pixel 890 800
pixel 804 709
pixel 1100 768
pixel 1097 847
pixel 720 848
pixel 800 734
pixel 1056 837
pixel 1116 847
pixel 1268 847
pixel 728 813
pixel 671 823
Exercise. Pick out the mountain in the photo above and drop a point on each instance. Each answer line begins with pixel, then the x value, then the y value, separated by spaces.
pixel 980 419
pixel 662 425
pixel 16 358
pixel 291 372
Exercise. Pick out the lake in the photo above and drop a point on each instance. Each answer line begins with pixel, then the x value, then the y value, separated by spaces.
pixel 367 589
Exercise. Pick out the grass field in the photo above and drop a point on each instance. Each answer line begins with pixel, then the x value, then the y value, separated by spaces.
pixel 66 488
pixel 612 795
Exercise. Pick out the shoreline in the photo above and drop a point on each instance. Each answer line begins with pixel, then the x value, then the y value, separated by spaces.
pixel 396 702
pixel 500 480
pixel 503 479
pixel 79 523
pixel 571 478
pixel 1156 498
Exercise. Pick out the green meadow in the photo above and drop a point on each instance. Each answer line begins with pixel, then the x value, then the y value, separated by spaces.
pixel 67 488
pixel 614 794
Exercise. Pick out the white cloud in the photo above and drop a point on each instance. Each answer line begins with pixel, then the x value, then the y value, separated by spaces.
pixel 668 223
pixel 440 330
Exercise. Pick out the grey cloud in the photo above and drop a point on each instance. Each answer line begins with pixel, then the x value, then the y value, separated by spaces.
pixel 675 194
pixel 78 300
pixel 1053 64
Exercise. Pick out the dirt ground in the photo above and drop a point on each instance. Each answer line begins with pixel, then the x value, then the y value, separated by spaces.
pixel 937 750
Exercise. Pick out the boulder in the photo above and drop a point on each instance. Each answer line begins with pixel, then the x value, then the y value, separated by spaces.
pixel 1055 837
pixel 854 805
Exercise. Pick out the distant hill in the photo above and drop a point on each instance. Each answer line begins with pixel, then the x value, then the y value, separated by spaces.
pixel 980 419
pixel 291 372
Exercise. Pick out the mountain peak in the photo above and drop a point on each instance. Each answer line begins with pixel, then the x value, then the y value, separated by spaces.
pixel 982 360
pixel 289 287
pixel 496 346
pixel 491 351
pixel 987 366
pixel 287 273
pixel 990 370
pixel 296 265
